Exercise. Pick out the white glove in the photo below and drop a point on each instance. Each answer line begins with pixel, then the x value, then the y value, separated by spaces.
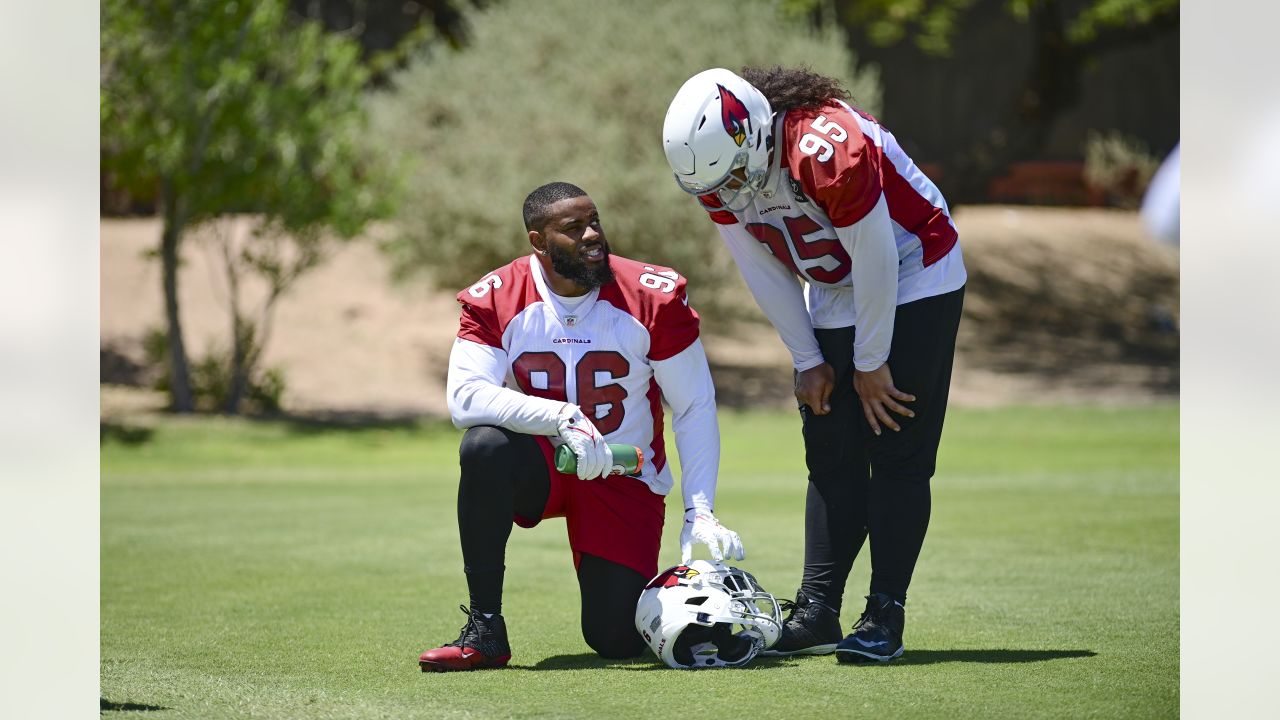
pixel 701 526
pixel 580 434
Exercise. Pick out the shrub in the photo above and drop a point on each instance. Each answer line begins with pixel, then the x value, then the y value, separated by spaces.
pixel 574 90
pixel 211 376
pixel 1120 166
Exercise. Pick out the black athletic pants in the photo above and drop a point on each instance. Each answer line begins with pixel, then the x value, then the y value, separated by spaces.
pixel 505 474
pixel 864 485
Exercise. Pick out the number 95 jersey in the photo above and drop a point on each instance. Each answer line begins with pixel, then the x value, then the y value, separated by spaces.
pixel 597 353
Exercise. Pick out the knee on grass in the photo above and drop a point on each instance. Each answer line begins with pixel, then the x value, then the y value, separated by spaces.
pixel 620 644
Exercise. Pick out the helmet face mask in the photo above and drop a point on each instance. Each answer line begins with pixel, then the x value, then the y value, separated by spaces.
pixel 707 615
pixel 733 191
pixel 717 124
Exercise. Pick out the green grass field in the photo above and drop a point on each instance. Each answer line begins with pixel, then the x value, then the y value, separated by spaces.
pixel 275 570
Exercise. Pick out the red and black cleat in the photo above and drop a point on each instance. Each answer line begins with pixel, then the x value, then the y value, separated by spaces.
pixel 481 644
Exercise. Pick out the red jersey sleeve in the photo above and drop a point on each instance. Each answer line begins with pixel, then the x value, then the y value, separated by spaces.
pixel 489 304
pixel 479 324
pixel 675 325
pixel 841 175
pixel 656 297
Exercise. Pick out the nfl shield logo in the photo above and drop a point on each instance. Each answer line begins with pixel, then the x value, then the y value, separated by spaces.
pixel 570 320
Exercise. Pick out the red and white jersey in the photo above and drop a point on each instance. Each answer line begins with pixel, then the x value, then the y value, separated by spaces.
pixel 522 352
pixel 841 187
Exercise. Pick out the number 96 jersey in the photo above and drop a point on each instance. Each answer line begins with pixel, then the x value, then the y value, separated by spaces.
pixel 597 352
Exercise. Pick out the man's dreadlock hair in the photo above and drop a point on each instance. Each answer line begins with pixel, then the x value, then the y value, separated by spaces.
pixel 791 88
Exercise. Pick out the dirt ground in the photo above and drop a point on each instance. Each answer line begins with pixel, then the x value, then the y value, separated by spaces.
pixel 1063 305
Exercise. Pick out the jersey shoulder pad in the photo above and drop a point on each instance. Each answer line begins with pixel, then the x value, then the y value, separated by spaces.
pixel 828 153
pixel 489 304
pixel 658 298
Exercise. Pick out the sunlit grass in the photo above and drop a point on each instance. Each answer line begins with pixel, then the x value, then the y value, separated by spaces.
pixel 277 570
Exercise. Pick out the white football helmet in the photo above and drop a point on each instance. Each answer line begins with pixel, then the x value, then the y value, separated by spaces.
pixel 706 614
pixel 718 123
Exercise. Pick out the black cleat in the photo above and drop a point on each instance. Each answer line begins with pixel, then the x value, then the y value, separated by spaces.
pixel 877 637
pixel 481 644
pixel 811 629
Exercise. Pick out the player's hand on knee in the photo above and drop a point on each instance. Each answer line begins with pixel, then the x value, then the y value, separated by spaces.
pixel 702 526
pixel 814 386
pixel 879 397
pixel 580 434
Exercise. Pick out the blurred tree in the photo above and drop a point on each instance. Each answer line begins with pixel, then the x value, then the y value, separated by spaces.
pixel 1067 36
pixel 390 31
pixel 575 90
pixel 225 106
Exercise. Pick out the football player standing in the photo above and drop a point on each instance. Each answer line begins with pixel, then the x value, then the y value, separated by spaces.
pixel 851 252
pixel 572 345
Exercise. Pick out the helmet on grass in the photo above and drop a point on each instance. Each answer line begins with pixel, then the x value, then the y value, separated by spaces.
pixel 706 614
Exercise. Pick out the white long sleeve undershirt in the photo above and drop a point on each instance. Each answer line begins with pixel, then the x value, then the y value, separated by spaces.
pixel 685 380
pixel 874 272
pixel 476 396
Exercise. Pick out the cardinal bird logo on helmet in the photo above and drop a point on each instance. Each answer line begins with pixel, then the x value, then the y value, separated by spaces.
pixel 734 115
pixel 671 577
